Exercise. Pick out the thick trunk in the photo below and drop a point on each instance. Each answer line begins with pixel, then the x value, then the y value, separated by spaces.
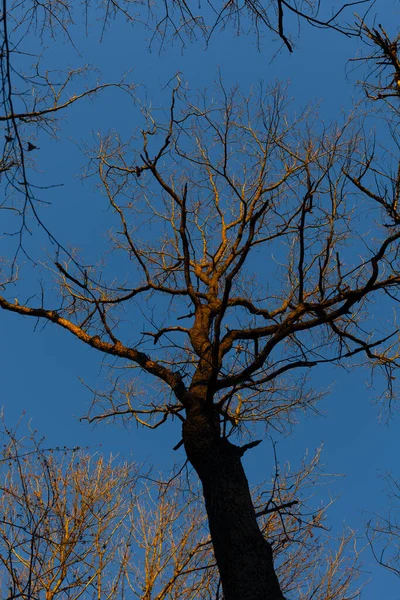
pixel 243 556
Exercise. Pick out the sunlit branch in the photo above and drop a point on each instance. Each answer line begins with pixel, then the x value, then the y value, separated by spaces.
pixel 115 349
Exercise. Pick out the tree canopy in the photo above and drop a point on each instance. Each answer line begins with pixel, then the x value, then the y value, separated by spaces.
pixel 253 239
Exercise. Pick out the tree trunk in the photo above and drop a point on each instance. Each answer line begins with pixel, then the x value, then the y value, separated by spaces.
pixel 243 556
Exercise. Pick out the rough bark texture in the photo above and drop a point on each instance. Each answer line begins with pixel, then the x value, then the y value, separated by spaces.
pixel 243 556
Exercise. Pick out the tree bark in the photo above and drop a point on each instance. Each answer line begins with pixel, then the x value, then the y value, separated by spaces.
pixel 243 556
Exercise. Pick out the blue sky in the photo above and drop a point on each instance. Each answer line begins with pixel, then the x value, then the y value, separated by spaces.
pixel 42 367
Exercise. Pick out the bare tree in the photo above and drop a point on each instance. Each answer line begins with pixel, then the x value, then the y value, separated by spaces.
pixel 259 265
pixel 63 530
pixel 224 182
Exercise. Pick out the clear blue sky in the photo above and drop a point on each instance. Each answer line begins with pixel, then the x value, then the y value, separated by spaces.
pixel 41 368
